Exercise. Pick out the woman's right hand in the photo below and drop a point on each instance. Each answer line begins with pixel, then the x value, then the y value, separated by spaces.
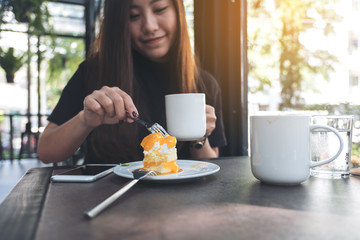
pixel 108 105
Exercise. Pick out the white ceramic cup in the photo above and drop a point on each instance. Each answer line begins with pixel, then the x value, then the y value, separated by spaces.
pixel 280 148
pixel 186 116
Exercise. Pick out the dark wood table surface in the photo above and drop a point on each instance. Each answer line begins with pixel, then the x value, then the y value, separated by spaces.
pixel 230 204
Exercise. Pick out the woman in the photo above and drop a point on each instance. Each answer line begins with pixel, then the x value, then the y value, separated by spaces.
pixel 142 53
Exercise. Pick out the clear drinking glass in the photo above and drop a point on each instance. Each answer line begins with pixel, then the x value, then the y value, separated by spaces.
pixel 325 144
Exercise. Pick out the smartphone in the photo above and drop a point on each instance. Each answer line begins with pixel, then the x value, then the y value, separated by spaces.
pixel 84 173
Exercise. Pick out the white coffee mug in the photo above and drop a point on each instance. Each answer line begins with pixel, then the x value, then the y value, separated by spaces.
pixel 186 116
pixel 280 148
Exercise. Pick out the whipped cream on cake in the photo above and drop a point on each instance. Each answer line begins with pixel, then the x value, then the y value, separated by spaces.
pixel 160 154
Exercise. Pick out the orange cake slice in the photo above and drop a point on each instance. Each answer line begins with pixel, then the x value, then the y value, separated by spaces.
pixel 160 154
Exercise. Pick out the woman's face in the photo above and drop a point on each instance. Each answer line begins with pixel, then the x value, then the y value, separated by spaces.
pixel 153 27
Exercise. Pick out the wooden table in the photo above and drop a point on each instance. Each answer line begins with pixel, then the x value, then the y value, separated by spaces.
pixel 230 204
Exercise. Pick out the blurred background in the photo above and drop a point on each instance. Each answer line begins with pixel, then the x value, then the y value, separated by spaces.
pixel 268 55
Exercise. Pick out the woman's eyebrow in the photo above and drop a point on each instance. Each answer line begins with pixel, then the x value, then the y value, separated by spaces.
pixel 132 6
pixel 152 2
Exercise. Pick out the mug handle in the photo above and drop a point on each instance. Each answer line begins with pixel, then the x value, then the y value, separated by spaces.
pixel 315 164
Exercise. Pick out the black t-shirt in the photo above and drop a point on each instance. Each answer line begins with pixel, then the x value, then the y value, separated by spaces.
pixel 153 87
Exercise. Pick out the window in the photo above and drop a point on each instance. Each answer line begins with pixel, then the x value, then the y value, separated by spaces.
pixel 356 4
pixel 300 54
pixel 61 49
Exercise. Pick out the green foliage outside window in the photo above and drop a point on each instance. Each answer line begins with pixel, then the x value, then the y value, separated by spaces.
pixel 275 51
pixel 33 12
pixel 65 56
pixel 10 63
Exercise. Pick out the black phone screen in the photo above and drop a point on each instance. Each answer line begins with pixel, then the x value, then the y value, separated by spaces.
pixel 87 170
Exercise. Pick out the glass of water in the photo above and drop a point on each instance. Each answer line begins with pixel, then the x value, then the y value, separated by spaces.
pixel 325 144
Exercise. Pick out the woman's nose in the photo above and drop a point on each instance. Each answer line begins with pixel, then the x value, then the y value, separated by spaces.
pixel 150 24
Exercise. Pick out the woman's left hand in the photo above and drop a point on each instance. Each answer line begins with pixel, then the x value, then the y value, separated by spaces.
pixel 210 119
pixel 207 151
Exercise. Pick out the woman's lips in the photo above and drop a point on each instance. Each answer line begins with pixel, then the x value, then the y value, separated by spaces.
pixel 151 41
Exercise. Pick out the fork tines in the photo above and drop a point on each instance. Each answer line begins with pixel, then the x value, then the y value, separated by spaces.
pixel 152 174
pixel 152 128
pixel 158 128
pixel 141 173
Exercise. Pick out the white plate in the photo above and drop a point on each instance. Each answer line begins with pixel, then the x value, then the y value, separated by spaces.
pixel 191 169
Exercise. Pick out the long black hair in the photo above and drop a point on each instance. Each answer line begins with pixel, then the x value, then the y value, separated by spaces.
pixel 111 63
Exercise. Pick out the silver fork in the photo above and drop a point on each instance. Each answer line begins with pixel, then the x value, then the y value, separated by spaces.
pixel 152 128
pixel 137 174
